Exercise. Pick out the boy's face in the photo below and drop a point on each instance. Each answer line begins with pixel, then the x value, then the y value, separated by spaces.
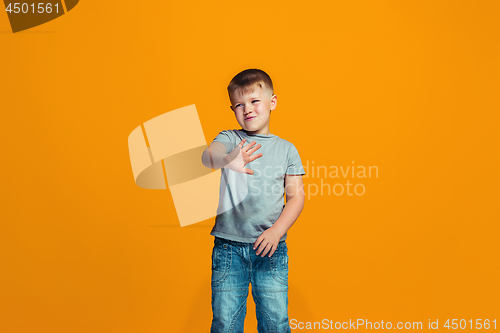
pixel 253 109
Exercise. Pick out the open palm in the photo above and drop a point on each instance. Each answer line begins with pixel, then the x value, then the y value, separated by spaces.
pixel 241 156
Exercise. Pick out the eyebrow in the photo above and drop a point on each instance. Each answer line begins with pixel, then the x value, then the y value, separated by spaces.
pixel 256 97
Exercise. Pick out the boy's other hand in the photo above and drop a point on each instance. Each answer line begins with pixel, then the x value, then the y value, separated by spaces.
pixel 241 156
pixel 268 241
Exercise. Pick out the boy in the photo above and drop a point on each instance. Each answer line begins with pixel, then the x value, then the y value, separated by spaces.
pixel 252 219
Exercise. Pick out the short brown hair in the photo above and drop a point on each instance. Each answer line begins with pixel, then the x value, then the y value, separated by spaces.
pixel 247 79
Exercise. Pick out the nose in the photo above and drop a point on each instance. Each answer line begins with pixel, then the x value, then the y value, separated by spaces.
pixel 248 108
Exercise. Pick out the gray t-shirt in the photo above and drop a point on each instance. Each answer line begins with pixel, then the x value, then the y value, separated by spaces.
pixel 250 204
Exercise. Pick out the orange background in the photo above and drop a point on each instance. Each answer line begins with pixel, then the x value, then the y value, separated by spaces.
pixel 409 86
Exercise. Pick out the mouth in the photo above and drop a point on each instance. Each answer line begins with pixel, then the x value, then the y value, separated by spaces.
pixel 249 118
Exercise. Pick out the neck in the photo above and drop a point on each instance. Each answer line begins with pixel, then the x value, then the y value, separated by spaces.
pixel 262 132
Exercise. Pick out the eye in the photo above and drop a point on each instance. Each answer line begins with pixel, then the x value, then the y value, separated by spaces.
pixel 255 101
pixel 239 105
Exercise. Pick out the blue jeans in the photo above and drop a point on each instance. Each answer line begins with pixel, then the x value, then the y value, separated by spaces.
pixel 234 266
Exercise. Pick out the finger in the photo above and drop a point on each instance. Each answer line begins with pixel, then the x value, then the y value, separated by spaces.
pixel 261 247
pixel 241 143
pixel 273 249
pixel 248 171
pixel 250 145
pixel 257 242
pixel 254 157
pixel 251 151
pixel 266 249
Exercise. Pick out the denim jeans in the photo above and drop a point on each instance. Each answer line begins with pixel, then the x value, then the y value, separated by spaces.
pixel 234 266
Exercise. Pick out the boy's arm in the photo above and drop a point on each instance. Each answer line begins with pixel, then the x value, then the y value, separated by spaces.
pixel 269 239
pixel 213 156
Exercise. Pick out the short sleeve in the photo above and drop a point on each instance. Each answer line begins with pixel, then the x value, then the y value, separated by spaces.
pixel 225 138
pixel 294 163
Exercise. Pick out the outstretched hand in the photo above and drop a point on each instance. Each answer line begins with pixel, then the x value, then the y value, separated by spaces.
pixel 241 156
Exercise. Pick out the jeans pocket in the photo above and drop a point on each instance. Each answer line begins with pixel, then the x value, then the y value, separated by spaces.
pixel 221 262
pixel 279 264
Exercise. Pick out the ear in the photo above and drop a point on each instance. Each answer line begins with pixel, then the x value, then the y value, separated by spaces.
pixel 274 102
